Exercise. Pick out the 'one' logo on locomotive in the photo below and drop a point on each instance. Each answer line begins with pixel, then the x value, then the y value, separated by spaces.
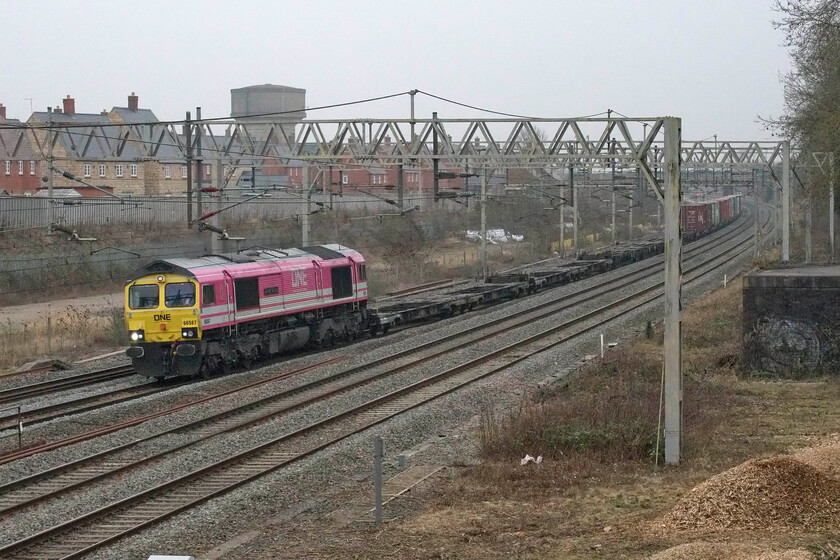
pixel 298 277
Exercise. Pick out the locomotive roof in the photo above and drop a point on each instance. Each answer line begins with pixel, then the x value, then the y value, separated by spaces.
pixel 185 266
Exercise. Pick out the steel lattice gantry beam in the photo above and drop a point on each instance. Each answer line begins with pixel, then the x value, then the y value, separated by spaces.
pixel 508 142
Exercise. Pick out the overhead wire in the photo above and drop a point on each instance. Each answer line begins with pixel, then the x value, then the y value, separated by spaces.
pixel 482 109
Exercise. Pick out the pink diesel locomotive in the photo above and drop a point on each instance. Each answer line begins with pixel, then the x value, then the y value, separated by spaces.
pixel 208 314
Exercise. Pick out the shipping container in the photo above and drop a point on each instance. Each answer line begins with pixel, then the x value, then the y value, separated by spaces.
pixel 725 210
pixel 696 217
pixel 736 205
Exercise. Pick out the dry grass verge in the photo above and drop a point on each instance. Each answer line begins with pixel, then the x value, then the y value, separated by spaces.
pixel 611 411
pixel 69 334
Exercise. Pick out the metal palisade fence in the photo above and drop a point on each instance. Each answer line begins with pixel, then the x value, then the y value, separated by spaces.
pixel 34 212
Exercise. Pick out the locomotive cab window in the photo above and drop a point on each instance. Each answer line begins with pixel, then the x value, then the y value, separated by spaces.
pixel 143 296
pixel 179 294
pixel 208 294
pixel 362 273
pixel 342 282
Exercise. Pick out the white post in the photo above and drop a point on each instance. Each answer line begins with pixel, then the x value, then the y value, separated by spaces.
pixel 215 244
pixel 808 224
pixel 602 345
pixel 562 224
pixel 673 285
pixel 831 218
pixel 831 204
pixel 786 200
pixel 575 208
pixel 304 219
pixel 612 191
pixel 483 222
pixel 757 233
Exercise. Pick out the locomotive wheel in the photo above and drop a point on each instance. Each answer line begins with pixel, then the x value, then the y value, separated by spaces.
pixel 329 338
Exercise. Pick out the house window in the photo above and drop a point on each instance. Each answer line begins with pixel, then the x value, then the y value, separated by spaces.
pixel 207 170
pixel 8 168
pixel 183 172
pixel 32 168
pixel 119 169
pixel 20 168
pixel 102 170
pixel 167 172
pixel 87 170
pixel 133 169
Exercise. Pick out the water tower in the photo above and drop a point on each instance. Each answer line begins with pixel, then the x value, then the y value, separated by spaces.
pixel 268 103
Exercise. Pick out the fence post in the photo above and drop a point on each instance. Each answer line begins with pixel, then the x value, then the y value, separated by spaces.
pixel 377 479
pixel 49 331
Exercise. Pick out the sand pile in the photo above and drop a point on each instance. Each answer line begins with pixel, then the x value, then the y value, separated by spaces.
pixel 778 492
pixel 715 551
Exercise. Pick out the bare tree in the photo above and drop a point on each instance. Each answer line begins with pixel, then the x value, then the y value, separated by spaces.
pixel 812 88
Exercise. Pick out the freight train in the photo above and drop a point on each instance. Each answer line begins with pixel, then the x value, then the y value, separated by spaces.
pixel 200 316
pixel 702 217
pixel 209 314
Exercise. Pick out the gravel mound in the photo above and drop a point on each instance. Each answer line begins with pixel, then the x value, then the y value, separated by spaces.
pixel 778 492
pixel 714 551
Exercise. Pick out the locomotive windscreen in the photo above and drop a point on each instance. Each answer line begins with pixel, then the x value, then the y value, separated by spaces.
pixel 342 282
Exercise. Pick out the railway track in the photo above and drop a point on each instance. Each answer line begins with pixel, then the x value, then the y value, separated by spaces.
pixel 18 394
pixel 76 406
pixel 168 499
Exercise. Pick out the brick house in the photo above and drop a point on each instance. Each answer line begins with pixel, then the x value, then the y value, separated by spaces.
pixel 85 150
pixel 125 176
pixel 20 170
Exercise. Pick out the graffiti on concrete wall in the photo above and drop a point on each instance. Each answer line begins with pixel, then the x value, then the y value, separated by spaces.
pixel 783 344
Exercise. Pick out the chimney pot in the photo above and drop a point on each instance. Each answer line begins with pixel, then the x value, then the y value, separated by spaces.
pixel 70 105
pixel 132 102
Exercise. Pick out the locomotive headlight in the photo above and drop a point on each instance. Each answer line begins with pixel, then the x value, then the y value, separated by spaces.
pixel 136 336
pixel 188 333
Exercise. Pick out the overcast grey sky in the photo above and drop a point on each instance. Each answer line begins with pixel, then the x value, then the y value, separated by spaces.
pixel 715 63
